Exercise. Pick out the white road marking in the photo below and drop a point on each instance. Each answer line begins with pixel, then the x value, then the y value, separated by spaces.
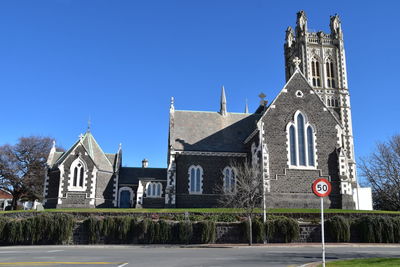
pixel 9 251
pixel 52 251
pixel 124 264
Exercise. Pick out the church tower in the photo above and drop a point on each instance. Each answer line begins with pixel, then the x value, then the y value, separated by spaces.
pixel 323 63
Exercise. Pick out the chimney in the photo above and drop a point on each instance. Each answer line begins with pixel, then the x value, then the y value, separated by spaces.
pixel 145 163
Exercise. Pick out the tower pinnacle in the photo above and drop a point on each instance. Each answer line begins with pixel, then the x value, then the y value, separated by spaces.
pixel 223 110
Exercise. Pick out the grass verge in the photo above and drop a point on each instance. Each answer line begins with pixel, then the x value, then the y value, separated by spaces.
pixel 378 262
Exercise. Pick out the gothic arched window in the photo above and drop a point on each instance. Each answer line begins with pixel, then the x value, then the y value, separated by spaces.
pixel 195 179
pixel 330 74
pixel 77 175
pixel 301 137
pixel 229 180
pixel 315 72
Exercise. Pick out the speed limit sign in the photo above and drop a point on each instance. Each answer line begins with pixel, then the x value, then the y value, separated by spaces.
pixel 321 187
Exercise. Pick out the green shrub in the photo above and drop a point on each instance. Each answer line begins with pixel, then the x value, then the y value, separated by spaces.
pixel 258 230
pixel 38 230
pixel 184 232
pixel 94 228
pixel 396 229
pixel 386 224
pixel 165 229
pixel 337 229
pixel 376 229
pixel 282 229
pixel 207 231
pixel 3 232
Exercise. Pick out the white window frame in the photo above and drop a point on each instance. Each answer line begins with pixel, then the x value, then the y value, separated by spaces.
pixel 229 188
pixel 74 164
pixel 195 167
pixel 306 125
pixel 151 189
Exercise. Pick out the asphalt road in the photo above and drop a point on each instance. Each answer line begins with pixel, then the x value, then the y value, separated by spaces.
pixel 165 256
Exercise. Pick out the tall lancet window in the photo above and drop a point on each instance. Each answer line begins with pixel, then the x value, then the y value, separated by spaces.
pixel 229 180
pixel 77 175
pixel 315 72
pixel 330 74
pixel 195 179
pixel 301 137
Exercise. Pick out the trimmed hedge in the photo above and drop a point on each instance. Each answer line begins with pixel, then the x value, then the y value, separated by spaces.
pixel 49 229
pixel 277 229
pixel 337 229
pixel 125 229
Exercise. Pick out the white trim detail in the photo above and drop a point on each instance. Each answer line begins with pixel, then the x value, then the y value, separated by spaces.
pixel 198 174
pixel 93 189
pixel 125 188
pixel 60 186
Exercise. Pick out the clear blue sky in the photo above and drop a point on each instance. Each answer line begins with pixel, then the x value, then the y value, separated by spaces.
pixel 119 62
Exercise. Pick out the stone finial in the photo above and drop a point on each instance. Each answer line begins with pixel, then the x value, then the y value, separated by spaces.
pixel 120 146
pixel 246 108
pixel 336 27
pixel 289 36
pixel 301 22
pixel 81 137
pixel 296 62
pixel 223 110
pixel 54 144
pixel 172 107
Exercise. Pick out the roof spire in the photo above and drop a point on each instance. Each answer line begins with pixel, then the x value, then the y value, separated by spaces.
pixel 223 102
pixel 246 108
pixel 172 107
pixel 89 124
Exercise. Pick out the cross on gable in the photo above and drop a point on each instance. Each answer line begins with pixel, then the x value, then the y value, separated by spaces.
pixel 296 62
pixel 263 102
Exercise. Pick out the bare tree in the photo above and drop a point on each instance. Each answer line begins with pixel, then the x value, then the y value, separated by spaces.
pixel 247 193
pixel 382 170
pixel 23 166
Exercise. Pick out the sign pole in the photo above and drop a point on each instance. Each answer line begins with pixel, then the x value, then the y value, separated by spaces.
pixel 322 231
pixel 322 188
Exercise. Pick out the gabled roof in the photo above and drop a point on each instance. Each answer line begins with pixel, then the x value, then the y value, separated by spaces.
pixel 295 82
pixel 129 175
pixel 100 159
pixel 210 131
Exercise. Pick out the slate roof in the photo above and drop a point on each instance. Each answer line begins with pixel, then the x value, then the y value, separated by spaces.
pixel 102 161
pixel 130 175
pixel 210 131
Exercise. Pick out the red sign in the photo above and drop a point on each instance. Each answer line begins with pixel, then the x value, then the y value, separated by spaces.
pixel 321 187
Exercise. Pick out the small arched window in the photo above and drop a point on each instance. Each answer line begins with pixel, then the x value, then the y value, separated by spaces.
pixel 330 74
pixel 195 179
pixel 301 137
pixel 315 72
pixel 229 180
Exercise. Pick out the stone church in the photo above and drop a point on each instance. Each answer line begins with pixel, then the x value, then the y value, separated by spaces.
pixel 303 134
